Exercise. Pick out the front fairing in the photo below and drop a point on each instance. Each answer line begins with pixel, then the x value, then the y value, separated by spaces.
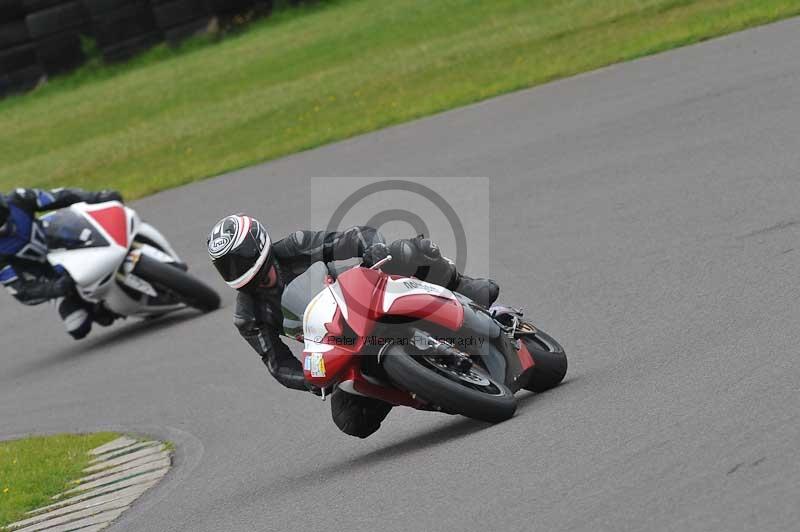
pixel 358 294
pixel 327 351
pixel 90 242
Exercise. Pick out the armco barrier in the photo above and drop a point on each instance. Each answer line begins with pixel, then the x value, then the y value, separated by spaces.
pixel 40 38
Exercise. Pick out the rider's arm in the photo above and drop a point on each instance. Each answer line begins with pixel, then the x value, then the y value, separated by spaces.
pixel 327 246
pixel 34 292
pixel 265 340
pixel 34 199
pixel 422 258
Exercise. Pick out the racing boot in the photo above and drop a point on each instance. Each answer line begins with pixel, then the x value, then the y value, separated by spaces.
pixel 102 316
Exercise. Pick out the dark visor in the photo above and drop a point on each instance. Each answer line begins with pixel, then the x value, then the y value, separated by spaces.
pixel 231 267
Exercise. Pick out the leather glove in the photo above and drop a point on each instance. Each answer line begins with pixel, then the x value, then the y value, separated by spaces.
pixel 108 195
pixel 374 254
pixel 39 291
pixel 428 249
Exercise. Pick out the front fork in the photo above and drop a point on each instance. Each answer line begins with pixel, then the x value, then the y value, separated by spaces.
pixel 424 342
pixel 504 357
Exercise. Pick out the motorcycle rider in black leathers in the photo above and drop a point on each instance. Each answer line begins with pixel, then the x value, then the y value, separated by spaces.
pixel 24 269
pixel 243 253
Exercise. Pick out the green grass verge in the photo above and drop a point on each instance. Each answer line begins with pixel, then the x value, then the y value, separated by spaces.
pixel 310 76
pixel 34 469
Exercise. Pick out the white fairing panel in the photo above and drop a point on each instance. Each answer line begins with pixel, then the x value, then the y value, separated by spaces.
pixel 408 286
pixel 336 290
pixel 320 311
pixel 90 265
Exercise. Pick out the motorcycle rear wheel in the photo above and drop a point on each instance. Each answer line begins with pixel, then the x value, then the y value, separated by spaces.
pixel 474 393
pixel 188 289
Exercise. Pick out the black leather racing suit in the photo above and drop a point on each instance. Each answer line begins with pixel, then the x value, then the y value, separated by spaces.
pixel 259 318
pixel 24 269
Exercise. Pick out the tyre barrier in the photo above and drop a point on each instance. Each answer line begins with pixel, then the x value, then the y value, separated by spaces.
pixel 230 7
pixel 20 69
pixel 41 38
pixel 181 19
pixel 13 33
pixel 69 16
pixel 56 30
pixel 123 28
pixel 11 10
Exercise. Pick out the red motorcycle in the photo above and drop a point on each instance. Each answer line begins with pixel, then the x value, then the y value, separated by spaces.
pixel 412 343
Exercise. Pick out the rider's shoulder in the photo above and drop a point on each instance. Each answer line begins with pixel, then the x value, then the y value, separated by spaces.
pixel 288 246
pixel 21 194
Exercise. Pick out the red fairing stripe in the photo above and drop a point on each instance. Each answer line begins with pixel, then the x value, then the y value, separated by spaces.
pixel 115 223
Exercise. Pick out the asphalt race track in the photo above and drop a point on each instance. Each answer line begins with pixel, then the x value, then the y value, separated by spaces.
pixel 649 216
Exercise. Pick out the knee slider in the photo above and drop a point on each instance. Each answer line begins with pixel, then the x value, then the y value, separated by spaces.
pixel 81 331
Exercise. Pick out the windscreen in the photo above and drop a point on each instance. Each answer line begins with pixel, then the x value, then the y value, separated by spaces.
pixel 66 229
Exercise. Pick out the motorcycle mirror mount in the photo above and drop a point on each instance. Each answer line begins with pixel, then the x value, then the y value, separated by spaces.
pixel 380 263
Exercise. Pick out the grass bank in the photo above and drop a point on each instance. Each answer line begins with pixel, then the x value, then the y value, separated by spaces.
pixel 34 469
pixel 314 75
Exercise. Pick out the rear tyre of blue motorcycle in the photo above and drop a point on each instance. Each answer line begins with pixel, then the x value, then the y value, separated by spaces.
pixel 412 371
pixel 190 290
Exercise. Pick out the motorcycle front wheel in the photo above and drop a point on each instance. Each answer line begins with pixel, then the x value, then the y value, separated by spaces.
pixel 472 393
pixel 549 358
pixel 189 290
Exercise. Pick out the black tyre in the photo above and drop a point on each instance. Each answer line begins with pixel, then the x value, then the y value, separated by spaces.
pixel 100 7
pixel 11 10
pixel 197 27
pixel 122 51
pixel 32 6
pixel 179 12
pixel 472 394
pixel 188 289
pixel 230 6
pixel 57 19
pixel 134 21
pixel 550 361
pixel 60 53
pixel 18 58
pixel 12 33
pixel 21 80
